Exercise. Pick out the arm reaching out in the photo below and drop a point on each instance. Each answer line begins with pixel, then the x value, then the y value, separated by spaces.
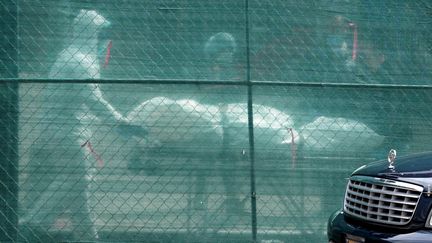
pixel 123 124
pixel 103 108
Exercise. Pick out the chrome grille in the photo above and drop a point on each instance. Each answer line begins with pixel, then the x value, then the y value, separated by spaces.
pixel 380 200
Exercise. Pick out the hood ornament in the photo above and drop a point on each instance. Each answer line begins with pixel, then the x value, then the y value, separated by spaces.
pixel 391 158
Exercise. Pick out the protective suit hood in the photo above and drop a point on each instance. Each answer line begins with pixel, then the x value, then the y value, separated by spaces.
pixel 220 46
pixel 86 28
pixel 79 60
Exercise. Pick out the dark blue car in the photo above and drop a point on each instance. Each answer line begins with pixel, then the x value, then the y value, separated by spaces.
pixel 387 201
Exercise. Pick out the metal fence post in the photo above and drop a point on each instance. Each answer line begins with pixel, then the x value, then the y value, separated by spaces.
pixel 8 122
pixel 251 129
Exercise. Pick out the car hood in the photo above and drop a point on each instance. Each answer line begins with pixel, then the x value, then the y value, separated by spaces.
pixel 415 168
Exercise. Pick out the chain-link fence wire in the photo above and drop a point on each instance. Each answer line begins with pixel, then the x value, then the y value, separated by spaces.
pixel 187 175
pixel 131 158
pixel 320 41
pixel 340 128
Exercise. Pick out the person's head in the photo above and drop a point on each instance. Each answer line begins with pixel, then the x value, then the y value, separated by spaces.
pixel 220 48
pixel 91 31
pixel 89 23
pixel 339 18
pixel 341 37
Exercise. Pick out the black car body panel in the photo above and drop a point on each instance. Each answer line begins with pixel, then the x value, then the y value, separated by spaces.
pixel 415 169
pixel 339 228
pixel 411 166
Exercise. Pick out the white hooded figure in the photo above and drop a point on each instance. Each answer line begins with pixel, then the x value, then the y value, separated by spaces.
pixel 63 164
pixel 220 50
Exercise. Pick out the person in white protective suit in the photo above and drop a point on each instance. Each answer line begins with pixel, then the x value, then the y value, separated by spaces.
pixel 220 50
pixel 61 155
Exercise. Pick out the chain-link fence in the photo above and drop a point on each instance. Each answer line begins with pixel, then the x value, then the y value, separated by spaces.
pixel 192 121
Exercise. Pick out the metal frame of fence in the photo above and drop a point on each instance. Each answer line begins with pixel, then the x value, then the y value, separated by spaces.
pixel 9 186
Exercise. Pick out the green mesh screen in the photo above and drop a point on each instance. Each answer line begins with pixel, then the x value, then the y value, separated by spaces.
pixel 201 121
